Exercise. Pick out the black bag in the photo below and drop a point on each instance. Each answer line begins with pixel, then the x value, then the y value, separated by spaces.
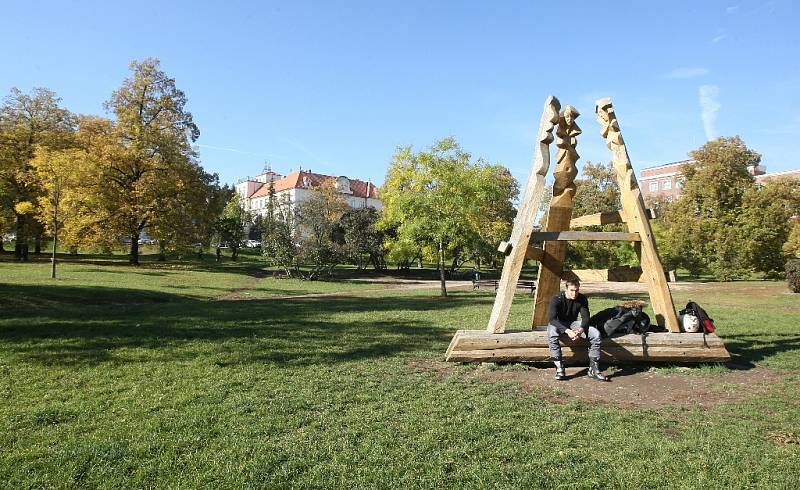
pixel 706 322
pixel 617 321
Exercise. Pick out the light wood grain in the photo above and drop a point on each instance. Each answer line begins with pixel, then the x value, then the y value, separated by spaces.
pixel 583 236
pixel 516 247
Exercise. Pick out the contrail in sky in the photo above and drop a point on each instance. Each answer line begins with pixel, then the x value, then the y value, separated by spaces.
pixel 710 106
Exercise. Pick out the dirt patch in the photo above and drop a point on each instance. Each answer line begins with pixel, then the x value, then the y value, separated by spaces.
pixel 631 387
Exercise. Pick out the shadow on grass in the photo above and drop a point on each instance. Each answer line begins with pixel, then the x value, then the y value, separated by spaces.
pixel 64 325
pixel 757 347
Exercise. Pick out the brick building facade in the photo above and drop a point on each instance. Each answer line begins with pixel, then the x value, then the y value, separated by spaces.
pixel 664 180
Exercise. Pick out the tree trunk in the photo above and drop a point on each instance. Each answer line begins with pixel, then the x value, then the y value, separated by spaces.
pixel 134 256
pixel 234 253
pixel 37 244
pixel 162 255
pixel 21 239
pixel 454 265
pixel 1 244
pixel 441 269
pixel 55 241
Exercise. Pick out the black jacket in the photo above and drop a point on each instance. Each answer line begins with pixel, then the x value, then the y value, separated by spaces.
pixel 563 311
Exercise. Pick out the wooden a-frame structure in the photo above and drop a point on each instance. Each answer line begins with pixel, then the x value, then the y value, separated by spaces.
pixel 493 344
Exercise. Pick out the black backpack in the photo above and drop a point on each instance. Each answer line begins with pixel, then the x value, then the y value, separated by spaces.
pixel 706 322
pixel 617 321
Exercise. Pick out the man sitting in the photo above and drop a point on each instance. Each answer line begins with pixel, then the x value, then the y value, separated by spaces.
pixel 563 319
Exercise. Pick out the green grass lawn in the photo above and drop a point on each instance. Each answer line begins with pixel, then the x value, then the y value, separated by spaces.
pixel 115 376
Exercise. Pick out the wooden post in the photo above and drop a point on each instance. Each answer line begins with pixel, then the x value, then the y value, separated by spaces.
pixel 560 213
pixel 517 246
pixel 636 217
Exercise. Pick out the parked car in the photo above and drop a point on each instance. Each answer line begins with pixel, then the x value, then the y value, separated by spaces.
pixel 252 243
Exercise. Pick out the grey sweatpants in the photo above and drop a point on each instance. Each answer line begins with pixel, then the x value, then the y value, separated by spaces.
pixel 555 346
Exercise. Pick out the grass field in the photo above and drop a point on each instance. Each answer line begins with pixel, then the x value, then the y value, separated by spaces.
pixel 150 377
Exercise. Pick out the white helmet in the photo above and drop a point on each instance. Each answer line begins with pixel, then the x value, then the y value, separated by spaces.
pixel 690 323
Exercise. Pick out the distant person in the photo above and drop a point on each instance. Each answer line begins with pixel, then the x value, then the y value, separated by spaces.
pixel 563 320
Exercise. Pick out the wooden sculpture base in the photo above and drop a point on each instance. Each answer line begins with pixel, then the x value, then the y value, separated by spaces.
pixel 481 346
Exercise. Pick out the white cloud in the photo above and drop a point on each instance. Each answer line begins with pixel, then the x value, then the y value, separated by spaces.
pixel 719 38
pixel 687 73
pixel 709 104
pixel 732 9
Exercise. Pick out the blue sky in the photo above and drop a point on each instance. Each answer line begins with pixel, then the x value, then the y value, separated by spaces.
pixel 336 86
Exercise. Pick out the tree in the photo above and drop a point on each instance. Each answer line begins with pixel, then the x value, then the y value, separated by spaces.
pixel 436 198
pixel 491 214
pixel 154 131
pixel 362 238
pixel 28 121
pixel 322 241
pixel 231 225
pixel 184 217
pixel 60 174
pixel 702 228
pixel 765 224
pixel 597 191
pixel 279 233
pixel 792 246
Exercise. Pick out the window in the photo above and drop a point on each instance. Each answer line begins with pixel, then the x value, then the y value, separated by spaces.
pixel 654 186
pixel 666 184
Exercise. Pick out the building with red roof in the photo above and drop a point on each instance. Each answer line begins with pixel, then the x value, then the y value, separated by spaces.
pixel 298 186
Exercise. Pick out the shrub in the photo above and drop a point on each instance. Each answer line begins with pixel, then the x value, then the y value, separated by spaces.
pixel 793 275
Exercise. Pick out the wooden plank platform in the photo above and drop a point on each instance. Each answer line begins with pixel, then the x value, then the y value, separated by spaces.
pixel 482 346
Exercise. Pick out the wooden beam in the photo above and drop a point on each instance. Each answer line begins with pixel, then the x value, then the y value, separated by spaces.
pixel 585 236
pixel 534 253
pixel 599 219
pixel 636 217
pixel 477 345
pixel 604 218
pixel 517 246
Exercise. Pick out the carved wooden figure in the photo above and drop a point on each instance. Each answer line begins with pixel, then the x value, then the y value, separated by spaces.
pixel 517 246
pixel 560 214
pixel 636 217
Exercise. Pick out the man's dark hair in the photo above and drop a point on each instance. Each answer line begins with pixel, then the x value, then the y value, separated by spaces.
pixel 572 282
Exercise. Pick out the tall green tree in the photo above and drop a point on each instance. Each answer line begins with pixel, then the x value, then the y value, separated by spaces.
pixel 766 223
pixel 28 121
pixel 703 228
pixel 362 239
pixel 435 199
pixel 155 131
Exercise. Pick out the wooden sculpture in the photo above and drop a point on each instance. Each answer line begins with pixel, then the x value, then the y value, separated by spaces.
pixel 516 247
pixel 560 213
pixel 493 344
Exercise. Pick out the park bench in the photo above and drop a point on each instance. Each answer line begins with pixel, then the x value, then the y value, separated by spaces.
pixel 494 283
